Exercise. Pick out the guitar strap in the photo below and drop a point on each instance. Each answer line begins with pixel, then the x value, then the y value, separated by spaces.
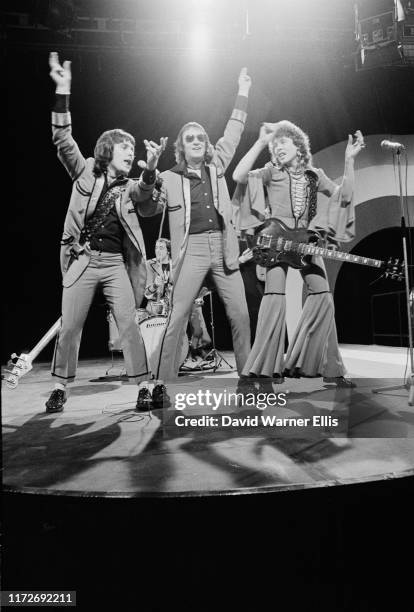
pixel 312 195
pixel 103 208
pixel 157 196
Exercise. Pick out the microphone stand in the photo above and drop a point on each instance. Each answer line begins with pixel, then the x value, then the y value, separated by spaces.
pixel 218 357
pixel 409 385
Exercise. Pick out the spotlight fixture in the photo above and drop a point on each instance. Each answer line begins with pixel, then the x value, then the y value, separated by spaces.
pixel 384 38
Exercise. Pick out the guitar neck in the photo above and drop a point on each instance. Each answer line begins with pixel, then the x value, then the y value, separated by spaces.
pixel 308 249
pixel 44 341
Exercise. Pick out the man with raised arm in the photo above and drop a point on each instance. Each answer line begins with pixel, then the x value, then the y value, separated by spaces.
pixel 292 185
pixel 102 243
pixel 203 239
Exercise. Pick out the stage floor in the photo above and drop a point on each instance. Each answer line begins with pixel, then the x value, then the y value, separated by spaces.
pixel 100 445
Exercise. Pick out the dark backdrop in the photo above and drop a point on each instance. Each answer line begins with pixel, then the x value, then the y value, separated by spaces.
pixel 151 94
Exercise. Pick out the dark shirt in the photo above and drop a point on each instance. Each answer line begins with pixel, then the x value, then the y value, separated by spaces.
pixel 109 235
pixel 204 216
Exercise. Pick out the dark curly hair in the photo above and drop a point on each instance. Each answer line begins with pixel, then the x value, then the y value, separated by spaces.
pixel 299 138
pixel 179 144
pixel 104 148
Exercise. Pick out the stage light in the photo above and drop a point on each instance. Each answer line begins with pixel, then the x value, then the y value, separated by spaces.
pixel 385 34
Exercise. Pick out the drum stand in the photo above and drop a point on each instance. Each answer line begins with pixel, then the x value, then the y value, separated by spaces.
pixel 218 357
pixel 122 372
pixel 113 346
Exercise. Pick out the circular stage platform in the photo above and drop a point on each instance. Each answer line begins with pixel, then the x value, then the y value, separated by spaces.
pixel 136 512
pixel 313 435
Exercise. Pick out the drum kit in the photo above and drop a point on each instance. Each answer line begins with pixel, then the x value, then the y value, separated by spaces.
pixel 152 328
pixel 152 323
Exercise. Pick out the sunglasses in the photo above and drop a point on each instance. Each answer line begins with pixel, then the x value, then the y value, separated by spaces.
pixel 191 137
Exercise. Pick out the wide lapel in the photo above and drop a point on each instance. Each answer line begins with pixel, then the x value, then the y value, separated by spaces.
pixel 187 204
pixel 128 220
pixel 96 192
pixel 186 194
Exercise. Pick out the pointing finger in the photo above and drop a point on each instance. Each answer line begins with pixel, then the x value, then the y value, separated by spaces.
pixel 53 59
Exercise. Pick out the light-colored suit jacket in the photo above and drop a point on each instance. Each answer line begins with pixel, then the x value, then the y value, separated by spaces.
pixel 175 195
pixel 85 195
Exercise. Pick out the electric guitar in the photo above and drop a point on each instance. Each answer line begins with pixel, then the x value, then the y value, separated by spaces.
pixel 275 243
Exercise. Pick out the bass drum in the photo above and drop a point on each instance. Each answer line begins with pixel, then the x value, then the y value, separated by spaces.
pixel 113 343
pixel 152 331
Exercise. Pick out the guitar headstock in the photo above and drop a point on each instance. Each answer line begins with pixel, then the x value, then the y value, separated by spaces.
pixel 19 365
pixel 394 269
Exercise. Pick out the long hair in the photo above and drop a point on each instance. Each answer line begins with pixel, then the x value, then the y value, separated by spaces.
pixel 179 143
pixel 104 148
pixel 299 138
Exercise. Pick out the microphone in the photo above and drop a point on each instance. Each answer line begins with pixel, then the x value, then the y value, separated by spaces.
pixel 390 145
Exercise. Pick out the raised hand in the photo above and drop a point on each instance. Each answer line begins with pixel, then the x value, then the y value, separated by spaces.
pixel 355 144
pixel 61 75
pixel 244 82
pixel 154 152
pixel 266 133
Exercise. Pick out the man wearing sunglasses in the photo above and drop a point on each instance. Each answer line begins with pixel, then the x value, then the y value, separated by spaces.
pixel 203 239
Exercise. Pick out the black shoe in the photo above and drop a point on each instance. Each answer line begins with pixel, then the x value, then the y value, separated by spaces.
pixel 340 381
pixel 56 401
pixel 160 397
pixel 144 400
pixel 246 386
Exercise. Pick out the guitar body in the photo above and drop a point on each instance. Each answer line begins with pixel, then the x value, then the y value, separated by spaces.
pixel 266 252
pixel 274 243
